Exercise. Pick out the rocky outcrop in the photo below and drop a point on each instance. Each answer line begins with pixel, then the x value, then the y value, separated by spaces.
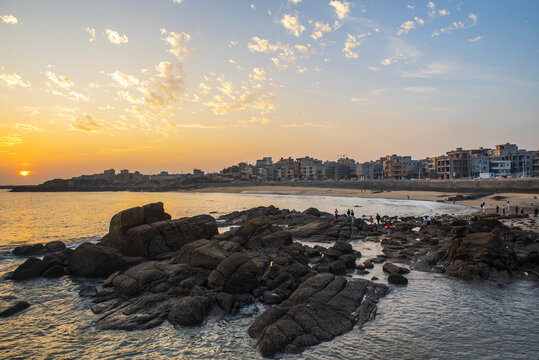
pixel 90 260
pixel 321 308
pixel 38 249
pixel 15 308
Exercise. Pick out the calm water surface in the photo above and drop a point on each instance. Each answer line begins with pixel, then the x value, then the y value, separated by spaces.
pixel 434 317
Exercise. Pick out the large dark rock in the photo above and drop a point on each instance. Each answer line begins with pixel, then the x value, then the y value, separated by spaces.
pixel 154 212
pixel 54 271
pixel 27 250
pixel 189 311
pixel 397 279
pixel 31 268
pixel 90 260
pixel 391 268
pixel 15 308
pixel 321 308
pixel 201 253
pixel 260 233
pixel 55 246
pixel 235 274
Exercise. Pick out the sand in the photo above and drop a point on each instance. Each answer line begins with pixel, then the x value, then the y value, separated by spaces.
pixel 529 201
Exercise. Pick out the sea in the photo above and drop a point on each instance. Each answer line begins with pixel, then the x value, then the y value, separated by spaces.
pixel 434 317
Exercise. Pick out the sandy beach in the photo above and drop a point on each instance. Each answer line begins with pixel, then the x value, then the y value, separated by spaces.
pixel 529 201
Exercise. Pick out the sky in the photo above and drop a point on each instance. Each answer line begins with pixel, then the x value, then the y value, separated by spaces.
pixel 154 85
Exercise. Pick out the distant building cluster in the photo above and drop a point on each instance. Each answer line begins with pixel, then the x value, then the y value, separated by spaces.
pixel 503 161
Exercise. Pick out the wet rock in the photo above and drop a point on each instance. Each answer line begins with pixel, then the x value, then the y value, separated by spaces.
pixel 337 267
pixel 154 212
pixel 55 246
pixel 232 303
pixel 88 291
pixel 27 250
pixel 394 269
pixel 15 308
pixel 189 311
pixel 397 279
pixel 31 268
pixel 343 247
pixel 54 271
pixel 90 260
pixel 368 264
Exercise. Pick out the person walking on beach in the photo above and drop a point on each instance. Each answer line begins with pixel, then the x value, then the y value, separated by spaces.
pixel 516 210
pixel 378 217
pixel 388 227
pixel 336 213
pixel 503 211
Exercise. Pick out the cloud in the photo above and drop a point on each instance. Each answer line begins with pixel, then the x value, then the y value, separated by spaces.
pixel 27 127
pixel 124 80
pixel 407 26
pixel 303 50
pixel 286 55
pixel 306 124
pixel 319 29
pixel 204 89
pixel 9 19
pixel 262 45
pixel 475 39
pixel 410 6
pixel 302 70
pixel 457 25
pixel 233 43
pixel 473 17
pixel 443 12
pixel 87 123
pixel 387 61
pixel 342 8
pixel 10 140
pixel 165 87
pixel 177 42
pixel 13 80
pixel 72 95
pixel 91 31
pixel 58 80
pixel 421 89
pixel 291 23
pixel 177 1
pixel 258 75
pixel 295 2
pixel 259 120
pixel 432 70
pixel 115 38
pixel 402 51
pixel 351 42
pixel 419 20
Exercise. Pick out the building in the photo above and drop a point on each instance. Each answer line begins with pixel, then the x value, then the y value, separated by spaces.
pixel 109 173
pixel 369 170
pixel 459 163
pixel 396 167
pixel 536 163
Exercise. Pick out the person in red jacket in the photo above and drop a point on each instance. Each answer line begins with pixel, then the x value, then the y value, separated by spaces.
pixel 388 228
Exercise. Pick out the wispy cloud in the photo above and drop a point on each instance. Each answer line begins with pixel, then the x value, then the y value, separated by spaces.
pixel 91 32
pixel 58 80
pixel 115 38
pixel 351 43
pixel 177 42
pixel 87 123
pixel 10 140
pixel 9 19
pixel 407 26
pixel 292 24
pixel 27 127
pixel 470 21
pixel 431 70
pixel 13 80
pixel 421 89
pixel 342 8
pixel 475 39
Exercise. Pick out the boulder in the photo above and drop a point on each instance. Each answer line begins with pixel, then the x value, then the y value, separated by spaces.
pixel 189 311
pixel 397 279
pixel 54 271
pixel 235 274
pixel 312 211
pixel 55 246
pixel 154 212
pixel 88 291
pixel 15 308
pixel 31 268
pixel 27 250
pixel 90 260
pixel 201 253
pixel 394 269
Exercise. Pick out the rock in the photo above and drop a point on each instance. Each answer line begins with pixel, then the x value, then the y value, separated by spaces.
pixel 15 308
pixel 88 291
pixel 26 250
pixel 54 271
pixel 312 211
pixel 31 268
pixel 232 303
pixel 337 267
pixel 121 222
pixel 397 279
pixel 343 247
pixel 189 311
pixel 55 246
pixel 394 269
pixel 368 264
pixel 90 260
pixel 154 212
pixel 235 274
pixel 201 253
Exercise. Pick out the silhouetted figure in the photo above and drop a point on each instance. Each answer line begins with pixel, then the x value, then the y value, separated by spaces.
pixel 516 210
pixel 378 217
pixel 336 213
pixel 348 212
pixel 497 209
pixel 536 212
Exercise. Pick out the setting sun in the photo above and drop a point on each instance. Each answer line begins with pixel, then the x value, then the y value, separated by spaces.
pixel 24 172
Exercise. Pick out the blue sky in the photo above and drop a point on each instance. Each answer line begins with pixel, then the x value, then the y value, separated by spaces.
pixel 209 83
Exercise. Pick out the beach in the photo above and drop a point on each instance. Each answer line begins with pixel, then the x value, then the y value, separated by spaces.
pixel 529 201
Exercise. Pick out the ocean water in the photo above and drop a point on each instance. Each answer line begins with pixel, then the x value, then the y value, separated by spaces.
pixel 434 317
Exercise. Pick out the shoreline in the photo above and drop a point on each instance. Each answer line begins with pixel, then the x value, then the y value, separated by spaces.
pixel 529 201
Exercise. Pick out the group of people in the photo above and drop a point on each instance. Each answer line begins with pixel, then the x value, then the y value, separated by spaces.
pixel 350 214
pixel 505 209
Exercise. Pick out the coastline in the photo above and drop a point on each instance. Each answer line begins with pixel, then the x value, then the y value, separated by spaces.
pixel 515 199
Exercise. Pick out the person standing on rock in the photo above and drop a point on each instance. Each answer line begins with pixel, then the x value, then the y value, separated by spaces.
pixel 503 211
pixel 388 226
pixel 378 217
pixel 371 220
pixel 348 212
pixel 497 209
pixel 536 212
pixel 516 210
pixel 336 213
pixel 352 214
